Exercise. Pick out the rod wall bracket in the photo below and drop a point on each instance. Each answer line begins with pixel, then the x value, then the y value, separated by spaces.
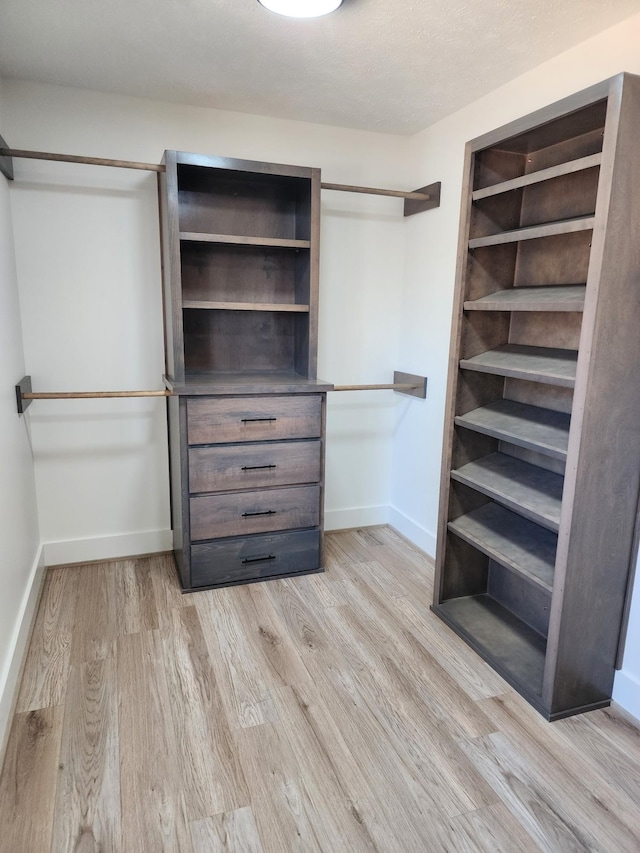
pixel 6 163
pixel 23 387
pixel 420 382
pixel 412 205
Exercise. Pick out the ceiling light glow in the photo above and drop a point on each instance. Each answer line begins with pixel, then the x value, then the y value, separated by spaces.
pixel 301 8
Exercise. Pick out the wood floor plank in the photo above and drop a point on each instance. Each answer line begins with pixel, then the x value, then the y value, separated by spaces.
pixel 273 777
pixel 166 587
pixel 492 829
pixel 245 695
pixel 153 817
pixel 28 783
pixel 558 814
pixel 87 803
pixel 47 664
pixel 135 597
pixel 210 775
pixel 95 626
pixel 449 782
pixel 230 832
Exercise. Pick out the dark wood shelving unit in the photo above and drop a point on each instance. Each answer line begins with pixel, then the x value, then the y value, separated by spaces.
pixel 247 415
pixel 541 468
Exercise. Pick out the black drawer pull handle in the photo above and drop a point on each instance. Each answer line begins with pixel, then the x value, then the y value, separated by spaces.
pixel 252 420
pixel 256 467
pixel 259 559
pixel 267 512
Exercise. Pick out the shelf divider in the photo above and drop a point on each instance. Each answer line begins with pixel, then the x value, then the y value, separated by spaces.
pixel 534 232
pixel 556 298
pixel 536 364
pixel 245 306
pixel 236 240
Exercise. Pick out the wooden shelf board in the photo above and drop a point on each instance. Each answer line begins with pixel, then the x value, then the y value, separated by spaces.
pixel 527 426
pixel 516 651
pixel 245 306
pixel 233 240
pixel 534 232
pixel 516 543
pixel 542 175
pixel 546 298
pixel 536 364
pixel 528 490
pixel 236 382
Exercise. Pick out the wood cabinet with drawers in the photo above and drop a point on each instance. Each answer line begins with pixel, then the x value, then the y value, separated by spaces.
pixel 247 415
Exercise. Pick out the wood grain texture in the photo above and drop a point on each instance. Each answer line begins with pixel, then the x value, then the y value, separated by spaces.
pixel 330 712
pixel 46 669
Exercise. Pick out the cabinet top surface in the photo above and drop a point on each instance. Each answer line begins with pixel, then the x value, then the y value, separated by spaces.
pixel 246 383
pixel 211 161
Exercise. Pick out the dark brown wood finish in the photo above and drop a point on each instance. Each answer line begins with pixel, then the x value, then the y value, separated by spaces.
pixel 546 297
pixel 242 253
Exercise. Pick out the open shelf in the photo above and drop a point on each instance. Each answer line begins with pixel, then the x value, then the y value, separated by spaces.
pixel 244 306
pixel 236 240
pixel 528 490
pixel 514 649
pixel 532 427
pixel 223 382
pixel 534 232
pixel 556 171
pixel 557 298
pixel 515 543
pixel 536 364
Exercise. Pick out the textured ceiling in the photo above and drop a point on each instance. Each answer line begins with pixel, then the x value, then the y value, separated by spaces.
pixel 388 65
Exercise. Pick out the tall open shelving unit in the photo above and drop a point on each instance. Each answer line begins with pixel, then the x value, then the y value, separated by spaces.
pixel 247 415
pixel 541 463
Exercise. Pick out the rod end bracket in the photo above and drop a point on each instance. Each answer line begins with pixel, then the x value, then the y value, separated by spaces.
pixel 6 163
pixel 23 387
pixel 412 205
pixel 420 383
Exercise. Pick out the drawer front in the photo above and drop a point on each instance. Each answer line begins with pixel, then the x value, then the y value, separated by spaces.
pixel 253 466
pixel 219 420
pixel 242 513
pixel 254 557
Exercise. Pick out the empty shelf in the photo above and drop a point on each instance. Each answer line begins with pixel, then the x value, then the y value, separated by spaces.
pixel 541 175
pixel 244 306
pixel 233 240
pixel 534 232
pixel 516 651
pixel 548 298
pixel 536 364
pixel 527 426
pixel 515 543
pixel 528 490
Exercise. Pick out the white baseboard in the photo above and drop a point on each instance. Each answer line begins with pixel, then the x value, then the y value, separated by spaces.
pixel 346 519
pixel 626 693
pixel 16 653
pixel 416 533
pixel 107 547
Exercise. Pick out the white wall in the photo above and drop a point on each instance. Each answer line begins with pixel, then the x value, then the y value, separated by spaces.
pixel 19 560
pixel 430 272
pixel 88 264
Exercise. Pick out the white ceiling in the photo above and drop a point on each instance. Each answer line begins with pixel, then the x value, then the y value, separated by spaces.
pixel 388 65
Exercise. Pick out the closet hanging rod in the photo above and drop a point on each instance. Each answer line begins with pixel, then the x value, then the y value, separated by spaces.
pixel 405 383
pixel 87 161
pixel 414 195
pixel 424 198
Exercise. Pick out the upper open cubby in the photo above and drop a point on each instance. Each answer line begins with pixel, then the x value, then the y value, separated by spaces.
pixel 225 203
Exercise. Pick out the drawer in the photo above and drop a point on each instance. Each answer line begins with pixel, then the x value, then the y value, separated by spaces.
pixel 253 466
pixel 219 420
pixel 254 557
pixel 242 513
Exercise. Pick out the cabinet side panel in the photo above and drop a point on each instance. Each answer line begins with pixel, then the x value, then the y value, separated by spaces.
pixel 601 489
pixel 441 586
pixel 171 269
pixel 179 485
pixel 311 344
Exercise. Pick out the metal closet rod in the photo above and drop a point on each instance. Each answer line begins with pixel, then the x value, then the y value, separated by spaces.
pixel 153 167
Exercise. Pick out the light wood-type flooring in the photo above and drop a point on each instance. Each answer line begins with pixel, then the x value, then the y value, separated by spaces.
pixel 332 713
